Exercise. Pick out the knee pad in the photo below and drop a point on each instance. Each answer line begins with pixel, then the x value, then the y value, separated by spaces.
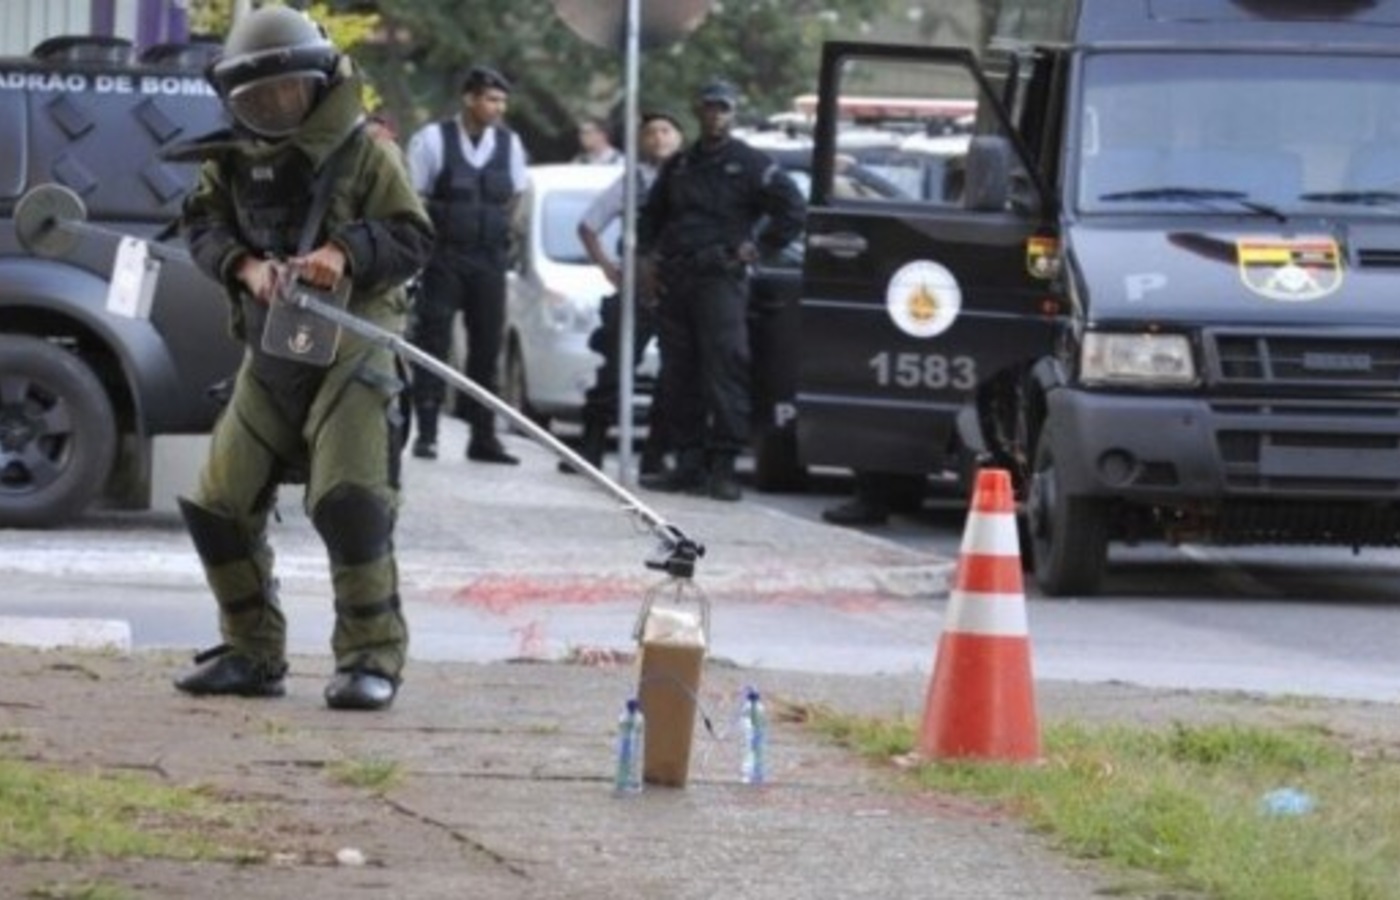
pixel 218 539
pixel 356 525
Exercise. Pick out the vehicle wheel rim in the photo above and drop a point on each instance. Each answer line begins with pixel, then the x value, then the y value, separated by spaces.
pixel 35 435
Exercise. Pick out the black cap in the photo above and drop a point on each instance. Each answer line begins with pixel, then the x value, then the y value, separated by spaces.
pixel 482 78
pixel 651 115
pixel 719 91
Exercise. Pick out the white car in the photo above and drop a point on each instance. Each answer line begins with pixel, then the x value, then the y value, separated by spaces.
pixel 553 294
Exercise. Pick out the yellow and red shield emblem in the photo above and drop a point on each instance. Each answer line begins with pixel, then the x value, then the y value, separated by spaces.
pixel 1290 269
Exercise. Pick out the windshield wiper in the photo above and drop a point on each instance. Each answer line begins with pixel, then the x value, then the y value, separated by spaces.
pixel 1202 196
pixel 1355 198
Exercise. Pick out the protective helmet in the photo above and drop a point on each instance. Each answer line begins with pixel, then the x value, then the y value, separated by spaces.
pixel 273 67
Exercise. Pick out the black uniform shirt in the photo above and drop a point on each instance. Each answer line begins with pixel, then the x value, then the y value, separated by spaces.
pixel 707 197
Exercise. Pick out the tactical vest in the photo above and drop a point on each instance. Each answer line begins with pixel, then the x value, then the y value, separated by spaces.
pixel 468 204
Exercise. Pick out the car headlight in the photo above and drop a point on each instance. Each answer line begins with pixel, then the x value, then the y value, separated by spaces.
pixel 564 313
pixel 1141 360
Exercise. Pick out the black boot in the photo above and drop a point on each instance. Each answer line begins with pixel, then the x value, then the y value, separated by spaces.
pixel 688 477
pixel 225 671
pixel 859 510
pixel 723 483
pixel 425 441
pixel 360 689
pixel 484 446
pixel 594 444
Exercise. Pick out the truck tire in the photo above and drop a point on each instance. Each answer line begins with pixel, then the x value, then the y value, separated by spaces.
pixel 1068 535
pixel 58 436
pixel 776 469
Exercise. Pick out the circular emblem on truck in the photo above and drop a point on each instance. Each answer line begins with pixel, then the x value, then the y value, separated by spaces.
pixel 923 298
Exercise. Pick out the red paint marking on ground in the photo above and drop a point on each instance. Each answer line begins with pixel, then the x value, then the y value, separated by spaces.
pixel 504 594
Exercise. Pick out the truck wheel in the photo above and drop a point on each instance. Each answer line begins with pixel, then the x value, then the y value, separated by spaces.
pixel 776 469
pixel 57 434
pixel 1068 535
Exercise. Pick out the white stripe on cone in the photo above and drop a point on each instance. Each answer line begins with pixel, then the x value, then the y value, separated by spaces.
pixel 991 615
pixel 991 534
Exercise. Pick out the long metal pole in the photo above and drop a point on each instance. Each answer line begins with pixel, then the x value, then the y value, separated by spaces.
pixel 627 332
pixel 680 551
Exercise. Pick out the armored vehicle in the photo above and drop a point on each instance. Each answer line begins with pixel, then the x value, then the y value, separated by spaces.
pixel 84 391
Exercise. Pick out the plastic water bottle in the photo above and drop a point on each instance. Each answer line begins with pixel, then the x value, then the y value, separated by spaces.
pixel 753 722
pixel 631 749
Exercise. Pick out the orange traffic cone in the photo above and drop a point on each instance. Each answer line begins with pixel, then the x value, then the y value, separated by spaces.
pixel 981 702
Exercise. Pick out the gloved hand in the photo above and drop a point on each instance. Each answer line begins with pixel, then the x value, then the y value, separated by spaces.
pixel 322 267
pixel 261 277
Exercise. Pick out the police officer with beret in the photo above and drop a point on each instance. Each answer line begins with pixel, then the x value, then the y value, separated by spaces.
pixel 715 207
pixel 299 194
pixel 471 169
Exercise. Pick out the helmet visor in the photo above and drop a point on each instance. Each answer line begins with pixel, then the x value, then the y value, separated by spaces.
pixel 275 106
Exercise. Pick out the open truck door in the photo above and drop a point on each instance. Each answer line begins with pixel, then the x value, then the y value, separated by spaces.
pixel 917 297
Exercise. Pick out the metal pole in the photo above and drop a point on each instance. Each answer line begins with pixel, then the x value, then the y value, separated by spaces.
pixel 626 337
pixel 680 551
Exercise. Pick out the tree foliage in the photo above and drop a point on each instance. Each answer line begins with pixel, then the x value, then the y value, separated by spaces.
pixel 769 48
pixel 416 51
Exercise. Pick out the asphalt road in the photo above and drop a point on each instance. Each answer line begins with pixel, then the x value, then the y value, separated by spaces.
pixel 1310 621
pixel 1307 620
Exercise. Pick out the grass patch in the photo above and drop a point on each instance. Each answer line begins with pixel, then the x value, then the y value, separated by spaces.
pixel 53 814
pixel 1184 803
pixel 378 775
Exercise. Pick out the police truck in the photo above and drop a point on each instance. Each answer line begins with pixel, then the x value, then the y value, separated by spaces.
pixel 1161 287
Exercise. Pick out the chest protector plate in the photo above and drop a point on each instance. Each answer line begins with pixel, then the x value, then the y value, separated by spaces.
pixel 272 198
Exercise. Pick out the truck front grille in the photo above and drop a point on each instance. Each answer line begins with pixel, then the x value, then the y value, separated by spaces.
pixel 1305 361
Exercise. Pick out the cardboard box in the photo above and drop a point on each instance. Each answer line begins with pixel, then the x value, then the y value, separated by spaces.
pixel 670 682
pixel 672 654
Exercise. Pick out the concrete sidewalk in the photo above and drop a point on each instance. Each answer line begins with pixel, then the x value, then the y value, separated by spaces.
pixel 503 790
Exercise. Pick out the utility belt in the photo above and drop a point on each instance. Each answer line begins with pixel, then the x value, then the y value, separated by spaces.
pixel 714 259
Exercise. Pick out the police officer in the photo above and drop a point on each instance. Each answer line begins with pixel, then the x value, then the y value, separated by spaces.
pixel 471 169
pixel 297 137
pixel 714 208
pixel 659 138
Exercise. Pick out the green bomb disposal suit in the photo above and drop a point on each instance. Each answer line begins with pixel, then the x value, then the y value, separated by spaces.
pixel 338 427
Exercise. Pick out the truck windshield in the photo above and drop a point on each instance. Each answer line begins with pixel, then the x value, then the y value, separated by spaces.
pixel 1239 133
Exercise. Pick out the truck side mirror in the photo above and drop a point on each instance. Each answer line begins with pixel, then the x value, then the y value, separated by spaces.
pixel 987 173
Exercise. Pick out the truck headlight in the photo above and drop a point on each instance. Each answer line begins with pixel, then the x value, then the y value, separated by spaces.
pixel 1142 360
